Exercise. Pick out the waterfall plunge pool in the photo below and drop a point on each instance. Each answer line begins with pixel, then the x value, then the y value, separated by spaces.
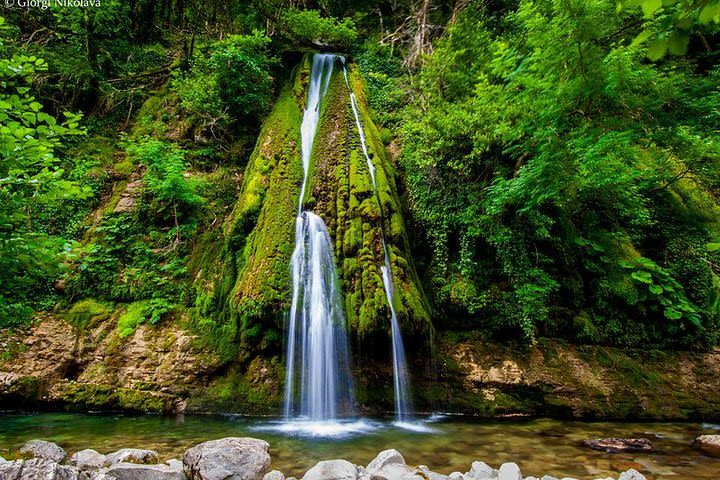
pixel 539 446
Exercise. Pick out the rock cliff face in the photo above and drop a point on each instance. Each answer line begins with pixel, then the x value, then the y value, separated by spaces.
pixel 162 369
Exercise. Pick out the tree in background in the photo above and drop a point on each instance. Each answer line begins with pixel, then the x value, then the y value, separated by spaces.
pixel 31 175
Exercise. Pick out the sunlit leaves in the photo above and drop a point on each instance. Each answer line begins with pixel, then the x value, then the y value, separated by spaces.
pixel 31 176
pixel 669 23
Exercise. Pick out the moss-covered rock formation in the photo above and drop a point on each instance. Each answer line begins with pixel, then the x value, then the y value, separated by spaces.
pixel 244 284
pixel 342 193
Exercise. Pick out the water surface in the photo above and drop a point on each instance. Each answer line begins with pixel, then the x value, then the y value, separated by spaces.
pixel 540 446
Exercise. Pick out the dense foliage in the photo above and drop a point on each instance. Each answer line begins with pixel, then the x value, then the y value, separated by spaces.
pixel 560 159
pixel 568 186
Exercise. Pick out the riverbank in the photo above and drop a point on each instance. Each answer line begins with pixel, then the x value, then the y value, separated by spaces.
pixel 232 458
pixel 165 369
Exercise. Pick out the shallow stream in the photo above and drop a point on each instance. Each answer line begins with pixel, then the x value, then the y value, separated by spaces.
pixel 539 446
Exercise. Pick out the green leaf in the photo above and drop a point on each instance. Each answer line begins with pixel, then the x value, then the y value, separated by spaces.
pixel 711 13
pixel 641 37
pixel 642 276
pixel 651 6
pixel 658 49
pixel 672 314
pixel 678 42
pixel 713 247
pixel 656 289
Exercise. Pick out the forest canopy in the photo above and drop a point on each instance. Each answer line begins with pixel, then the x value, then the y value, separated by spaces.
pixel 559 161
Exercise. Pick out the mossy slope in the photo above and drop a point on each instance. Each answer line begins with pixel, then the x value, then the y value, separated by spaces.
pixel 342 193
pixel 244 287
pixel 244 290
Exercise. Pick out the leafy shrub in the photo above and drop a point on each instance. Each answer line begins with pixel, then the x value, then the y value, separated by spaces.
pixel 31 177
pixel 307 27
pixel 230 83
pixel 151 311
pixel 166 179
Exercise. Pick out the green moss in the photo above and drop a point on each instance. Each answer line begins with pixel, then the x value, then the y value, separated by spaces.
pixel 130 319
pixel 256 389
pixel 83 396
pixel 88 313
pixel 240 307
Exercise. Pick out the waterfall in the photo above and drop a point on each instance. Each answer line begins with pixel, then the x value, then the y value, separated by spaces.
pixel 403 403
pixel 318 358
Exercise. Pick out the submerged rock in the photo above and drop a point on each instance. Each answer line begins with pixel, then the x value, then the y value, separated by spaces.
pixel 332 470
pixel 40 469
pixel 231 458
pixel 88 459
pixel 134 471
pixel 708 444
pixel 617 445
pixel 631 474
pixel 509 471
pixel 45 450
pixel 481 471
pixel 274 475
pixel 133 455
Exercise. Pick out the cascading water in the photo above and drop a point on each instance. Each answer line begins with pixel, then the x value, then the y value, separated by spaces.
pixel 318 378
pixel 403 403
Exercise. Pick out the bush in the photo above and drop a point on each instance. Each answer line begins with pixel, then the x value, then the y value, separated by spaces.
pixel 307 27
pixel 151 311
pixel 231 83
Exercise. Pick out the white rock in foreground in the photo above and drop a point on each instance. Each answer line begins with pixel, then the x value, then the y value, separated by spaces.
pixel 509 471
pixel 481 471
pixel 175 463
pixel 231 458
pixel 631 474
pixel 430 475
pixel 40 469
pixel 133 455
pixel 134 471
pixel 332 470
pixel 45 450
pixel 386 457
pixel 88 459
pixel 274 475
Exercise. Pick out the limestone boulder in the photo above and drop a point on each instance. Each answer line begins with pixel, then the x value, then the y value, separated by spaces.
pixel 40 469
pixel 88 460
pixel 44 449
pixel 482 471
pixel 231 458
pixel 133 455
pixel 332 470
pixel 135 471
pixel 509 471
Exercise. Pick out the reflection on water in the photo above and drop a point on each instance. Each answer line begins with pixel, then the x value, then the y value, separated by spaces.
pixel 540 446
